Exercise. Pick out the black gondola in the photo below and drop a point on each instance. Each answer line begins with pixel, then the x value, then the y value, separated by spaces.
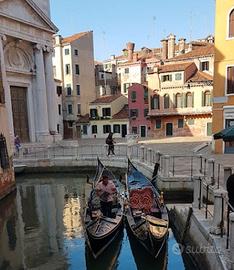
pixel 146 214
pixel 100 230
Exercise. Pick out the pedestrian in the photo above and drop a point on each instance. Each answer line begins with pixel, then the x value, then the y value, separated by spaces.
pixel 230 190
pixel 17 144
pixel 105 190
pixel 110 142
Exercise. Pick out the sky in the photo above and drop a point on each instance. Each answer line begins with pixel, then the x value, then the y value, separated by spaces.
pixel 114 23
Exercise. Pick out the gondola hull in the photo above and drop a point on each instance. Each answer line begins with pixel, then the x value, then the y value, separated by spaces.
pixel 100 230
pixel 147 218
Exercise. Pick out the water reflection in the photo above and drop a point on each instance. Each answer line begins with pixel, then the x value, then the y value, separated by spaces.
pixel 41 228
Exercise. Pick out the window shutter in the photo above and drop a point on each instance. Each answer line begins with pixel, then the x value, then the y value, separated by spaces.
pixel 152 102
pixel 184 100
pixel 174 100
pixel 231 24
pixel 192 99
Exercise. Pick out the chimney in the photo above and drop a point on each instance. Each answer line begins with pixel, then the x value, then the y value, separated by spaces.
pixel 171 46
pixel 210 39
pixel 190 48
pixel 182 45
pixel 130 48
pixel 135 57
pixel 164 43
pixel 112 57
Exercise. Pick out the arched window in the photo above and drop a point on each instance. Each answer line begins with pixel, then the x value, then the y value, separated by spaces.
pixel 207 98
pixel 155 102
pixel 189 99
pixel 166 101
pixel 178 101
pixel 231 24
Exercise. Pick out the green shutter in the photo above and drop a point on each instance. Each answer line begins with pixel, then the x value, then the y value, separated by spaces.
pixel 174 100
pixel 192 99
pixel 203 99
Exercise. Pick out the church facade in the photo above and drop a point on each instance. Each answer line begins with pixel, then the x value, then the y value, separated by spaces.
pixel 26 47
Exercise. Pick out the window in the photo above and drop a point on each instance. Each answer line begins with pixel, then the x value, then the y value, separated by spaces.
pixel 158 124
pixel 78 109
pixel 69 109
pixel 166 78
pixel 77 71
pixel 69 90
pixel 102 76
pixel 178 76
pixel 4 158
pixel 178 101
pixel 190 121
pixel 133 96
pixel 133 113
pixel 189 100
pixel 146 98
pixel 126 86
pixel 155 102
pixel 59 109
pixel 68 69
pixel 146 111
pixel 126 70
pixel 58 128
pixel 94 129
pixel 106 112
pixel 2 95
pixel 230 80
pixel 106 129
pixel 116 128
pixel 59 91
pixel 78 90
pixel 205 65
pixel 229 123
pixel 166 101
pixel 134 130
pixel 231 24
pixel 76 52
pixel 180 123
pixel 67 51
pixel 93 113
pixel 207 98
pixel 70 124
pixel 85 129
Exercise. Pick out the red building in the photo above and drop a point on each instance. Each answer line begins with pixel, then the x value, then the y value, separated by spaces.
pixel 139 122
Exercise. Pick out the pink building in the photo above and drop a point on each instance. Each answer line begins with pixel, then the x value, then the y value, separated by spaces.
pixel 139 122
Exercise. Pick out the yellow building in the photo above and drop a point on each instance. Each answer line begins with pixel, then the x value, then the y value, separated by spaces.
pixel 223 103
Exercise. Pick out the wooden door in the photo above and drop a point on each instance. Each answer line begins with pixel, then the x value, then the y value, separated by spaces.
pixel 20 112
pixel 169 129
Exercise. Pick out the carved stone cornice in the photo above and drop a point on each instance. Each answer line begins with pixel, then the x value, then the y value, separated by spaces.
pixel 3 37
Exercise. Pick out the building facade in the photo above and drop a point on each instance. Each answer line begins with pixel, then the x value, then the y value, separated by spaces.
pixel 27 45
pixel 180 101
pixel 73 64
pixel 138 103
pixel 223 107
pixel 107 114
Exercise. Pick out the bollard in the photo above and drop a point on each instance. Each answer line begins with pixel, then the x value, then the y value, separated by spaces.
pixel 197 192
pixel 166 164
pixel 129 151
pixel 210 171
pixel 231 218
pixel 227 173
pixel 218 216
pixel 142 153
pixel 200 163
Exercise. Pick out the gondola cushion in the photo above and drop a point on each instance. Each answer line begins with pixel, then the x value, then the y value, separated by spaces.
pixel 141 199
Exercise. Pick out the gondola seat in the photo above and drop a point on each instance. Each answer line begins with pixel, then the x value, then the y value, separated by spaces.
pixel 142 199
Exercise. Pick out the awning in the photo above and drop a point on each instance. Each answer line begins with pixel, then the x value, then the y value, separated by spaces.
pixel 226 134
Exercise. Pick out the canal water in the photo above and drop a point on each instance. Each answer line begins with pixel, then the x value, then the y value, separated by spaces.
pixel 41 228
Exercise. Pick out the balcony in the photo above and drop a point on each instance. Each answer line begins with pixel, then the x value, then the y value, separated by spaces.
pixel 181 111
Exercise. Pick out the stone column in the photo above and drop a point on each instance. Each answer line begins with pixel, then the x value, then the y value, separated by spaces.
pixel 231 218
pixel 142 153
pixel 219 203
pixel 149 156
pixel 210 170
pixel 165 165
pixel 197 192
pixel 42 125
pixel 50 89
pixel 7 92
